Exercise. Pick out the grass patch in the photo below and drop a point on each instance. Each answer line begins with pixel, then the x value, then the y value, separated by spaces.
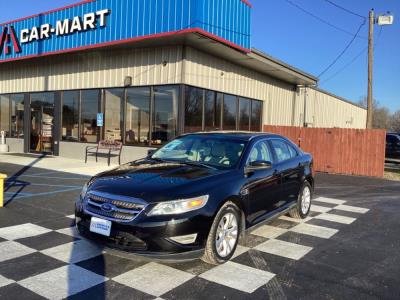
pixel 392 174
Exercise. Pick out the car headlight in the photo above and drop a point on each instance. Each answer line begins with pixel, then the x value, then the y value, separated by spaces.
pixel 84 191
pixel 179 206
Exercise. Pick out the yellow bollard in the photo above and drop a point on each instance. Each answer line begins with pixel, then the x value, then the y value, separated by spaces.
pixel 2 178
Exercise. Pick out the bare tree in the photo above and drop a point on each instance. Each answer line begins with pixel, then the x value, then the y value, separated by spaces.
pixel 381 114
pixel 395 122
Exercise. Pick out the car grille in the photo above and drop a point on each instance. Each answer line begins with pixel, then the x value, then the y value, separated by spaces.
pixel 123 209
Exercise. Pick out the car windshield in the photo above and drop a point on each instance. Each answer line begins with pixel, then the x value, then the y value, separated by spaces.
pixel 205 151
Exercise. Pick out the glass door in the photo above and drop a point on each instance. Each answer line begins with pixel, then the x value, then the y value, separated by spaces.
pixel 42 123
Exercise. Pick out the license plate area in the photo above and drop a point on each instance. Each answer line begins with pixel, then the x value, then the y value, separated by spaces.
pixel 100 226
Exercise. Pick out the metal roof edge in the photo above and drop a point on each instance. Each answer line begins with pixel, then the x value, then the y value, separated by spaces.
pixel 284 65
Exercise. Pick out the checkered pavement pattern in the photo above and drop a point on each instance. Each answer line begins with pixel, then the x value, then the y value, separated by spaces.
pixel 49 260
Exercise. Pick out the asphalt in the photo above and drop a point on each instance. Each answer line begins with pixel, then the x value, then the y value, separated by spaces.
pixel 361 261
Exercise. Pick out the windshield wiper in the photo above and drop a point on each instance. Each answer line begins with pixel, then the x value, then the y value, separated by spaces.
pixel 198 164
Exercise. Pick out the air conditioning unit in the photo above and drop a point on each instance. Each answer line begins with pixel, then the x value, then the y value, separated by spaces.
pixel 385 20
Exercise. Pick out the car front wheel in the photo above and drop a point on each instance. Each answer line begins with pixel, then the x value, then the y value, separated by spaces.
pixel 224 235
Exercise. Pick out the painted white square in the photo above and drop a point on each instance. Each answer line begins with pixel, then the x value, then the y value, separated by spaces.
pixel 320 209
pixel 74 252
pixel 313 230
pixel 240 250
pixel 285 249
pixel 353 209
pixel 22 231
pixel 71 231
pixel 153 278
pixel 268 231
pixel 329 200
pixel 287 218
pixel 335 218
pixel 5 281
pixel 62 282
pixel 238 276
pixel 10 250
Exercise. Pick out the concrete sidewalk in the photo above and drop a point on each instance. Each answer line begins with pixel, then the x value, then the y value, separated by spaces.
pixel 53 163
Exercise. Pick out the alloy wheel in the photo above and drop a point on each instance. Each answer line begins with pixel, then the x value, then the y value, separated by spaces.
pixel 227 235
pixel 305 200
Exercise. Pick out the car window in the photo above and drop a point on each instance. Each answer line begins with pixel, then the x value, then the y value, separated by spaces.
pixel 216 152
pixel 392 139
pixel 281 150
pixel 260 151
pixel 292 151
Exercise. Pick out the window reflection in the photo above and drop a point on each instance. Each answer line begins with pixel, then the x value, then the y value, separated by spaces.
pixel 89 110
pixel 17 115
pixel 193 109
pixel 212 116
pixel 165 114
pixel 70 116
pixel 256 115
pixel 137 116
pixel 244 114
pixel 230 108
pixel 113 114
pixel 5 114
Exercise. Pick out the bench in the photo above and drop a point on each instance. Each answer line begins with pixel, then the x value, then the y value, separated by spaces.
pixel 109 148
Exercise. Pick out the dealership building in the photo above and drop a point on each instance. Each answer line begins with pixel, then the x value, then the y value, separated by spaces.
pixel 141 72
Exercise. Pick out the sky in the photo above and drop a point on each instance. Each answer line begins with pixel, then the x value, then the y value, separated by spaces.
pixel 286 32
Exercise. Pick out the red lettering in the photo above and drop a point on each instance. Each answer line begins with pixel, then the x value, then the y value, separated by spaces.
pixel 5 41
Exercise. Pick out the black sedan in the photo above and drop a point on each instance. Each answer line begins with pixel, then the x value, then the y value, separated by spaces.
pixel 393 145
pixel 197 195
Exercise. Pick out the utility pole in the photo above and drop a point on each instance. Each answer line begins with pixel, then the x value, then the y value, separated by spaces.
pixel 370 68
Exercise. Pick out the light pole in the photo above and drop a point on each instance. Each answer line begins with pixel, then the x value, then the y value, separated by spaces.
pixel 381 20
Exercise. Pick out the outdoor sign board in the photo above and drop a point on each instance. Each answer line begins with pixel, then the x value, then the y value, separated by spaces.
pixel 99 23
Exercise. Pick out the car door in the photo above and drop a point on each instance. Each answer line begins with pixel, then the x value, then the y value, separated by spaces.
pixel 290 169
pixel 262 186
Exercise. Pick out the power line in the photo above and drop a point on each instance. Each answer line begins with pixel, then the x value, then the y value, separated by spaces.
pixel 345 9
pixel 344 50
pixel 353 59
pixel 322 20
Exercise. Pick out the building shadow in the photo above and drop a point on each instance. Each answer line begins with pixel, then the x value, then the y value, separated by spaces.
pixel 14 181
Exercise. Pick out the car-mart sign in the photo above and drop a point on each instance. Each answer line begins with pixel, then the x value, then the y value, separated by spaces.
pixel 9 38
pixel 91 24
pixel 66 26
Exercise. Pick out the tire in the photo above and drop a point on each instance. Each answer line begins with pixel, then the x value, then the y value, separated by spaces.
pixel 211 254
pixel 300 211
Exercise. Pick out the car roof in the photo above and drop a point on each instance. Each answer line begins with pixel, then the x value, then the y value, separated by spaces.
pixel 239 135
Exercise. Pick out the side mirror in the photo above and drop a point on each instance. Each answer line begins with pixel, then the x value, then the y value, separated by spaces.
pixel 257 165
pixel 150 152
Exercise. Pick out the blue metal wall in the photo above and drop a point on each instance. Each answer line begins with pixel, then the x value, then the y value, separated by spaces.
pixel 228 19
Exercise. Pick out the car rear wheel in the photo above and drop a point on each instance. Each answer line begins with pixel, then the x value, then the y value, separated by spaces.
pixel 303 206
pixel 224 235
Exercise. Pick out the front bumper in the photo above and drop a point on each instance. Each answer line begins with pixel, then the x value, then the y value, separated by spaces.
pixel 151 236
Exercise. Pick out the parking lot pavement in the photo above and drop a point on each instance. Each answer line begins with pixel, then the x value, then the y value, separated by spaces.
pixel 347 248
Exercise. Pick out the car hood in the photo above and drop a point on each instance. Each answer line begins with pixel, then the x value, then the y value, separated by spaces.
pixel 155 181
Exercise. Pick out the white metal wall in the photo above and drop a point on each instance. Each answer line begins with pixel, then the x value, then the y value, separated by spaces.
pixel 283 104
pixel 93 70
pixel 324 110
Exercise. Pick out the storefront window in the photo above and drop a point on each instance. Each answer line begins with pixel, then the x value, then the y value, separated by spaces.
pixel 115 99
pixel 165 114
pixel 70 116
pixel 212 115
pixel 17 115
pixel 244 114
pixel 230 109
pixel 5 114
pixel 137 116
pixel 193 109
pixel 256 115
pixel 89 110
